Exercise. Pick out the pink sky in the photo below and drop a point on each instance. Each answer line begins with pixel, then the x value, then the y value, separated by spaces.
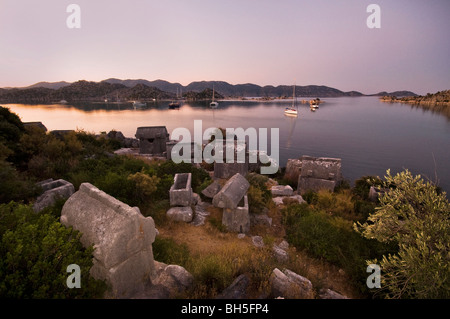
pixel 322 42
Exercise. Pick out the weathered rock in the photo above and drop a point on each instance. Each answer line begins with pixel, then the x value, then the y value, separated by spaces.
pixel 260 219
pixel 293 169
pixel 237 290
pixel 174 278
pixel 196 200
pixel 122 238
pixel 181 214
pixel 212 189
pixel 290 285
pixel 280 200
pixel 200 215
pixel 282 190
pixel 232 192
pixel 284 245
pixel 237 219
pixel 330 294
pixel 258 241
pixel 181 191
pixel 319 173
pixel 53 190
pixel 280 254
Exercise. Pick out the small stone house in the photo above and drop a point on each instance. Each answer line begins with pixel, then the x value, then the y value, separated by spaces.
pixel 152 139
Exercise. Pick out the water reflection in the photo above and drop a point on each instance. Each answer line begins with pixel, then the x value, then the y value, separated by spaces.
pixel 370 136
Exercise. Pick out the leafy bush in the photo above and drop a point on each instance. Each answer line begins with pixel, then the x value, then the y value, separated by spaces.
pixel 36 250
pixel 258 193
pixel 414 216
pixel 331 238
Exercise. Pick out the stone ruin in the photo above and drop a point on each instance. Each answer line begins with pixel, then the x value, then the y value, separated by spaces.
pixel 121 235
pixel 233 199
pixel 52 190
pixel 181 198
pixel 314 173
pixel 152 139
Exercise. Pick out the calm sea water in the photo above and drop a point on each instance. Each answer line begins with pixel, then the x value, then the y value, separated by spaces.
pixel 368 135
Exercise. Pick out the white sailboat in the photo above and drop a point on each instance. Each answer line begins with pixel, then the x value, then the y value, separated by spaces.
pixel 292 111
pixel 213 104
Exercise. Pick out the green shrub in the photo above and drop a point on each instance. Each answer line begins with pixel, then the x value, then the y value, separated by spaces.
pixel 331 238
pixel 310 197
pixel 413 216
pixel 36 250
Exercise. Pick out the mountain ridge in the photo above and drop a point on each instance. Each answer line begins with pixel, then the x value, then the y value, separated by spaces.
pixel 162 89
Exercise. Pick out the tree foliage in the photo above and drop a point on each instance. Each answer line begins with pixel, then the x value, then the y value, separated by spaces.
pixel 35 251
pixel 414 215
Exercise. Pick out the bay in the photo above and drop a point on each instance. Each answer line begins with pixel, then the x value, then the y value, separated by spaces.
pixel 368 135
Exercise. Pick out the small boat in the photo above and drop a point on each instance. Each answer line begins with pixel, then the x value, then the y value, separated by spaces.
pixel 139 104
pixel 213 104
pixel 174 105
pixel 62 102
pixel 292 111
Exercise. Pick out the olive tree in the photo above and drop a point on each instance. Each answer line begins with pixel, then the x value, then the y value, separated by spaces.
pixel 414 214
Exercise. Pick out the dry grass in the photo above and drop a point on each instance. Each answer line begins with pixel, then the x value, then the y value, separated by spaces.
pixel 217 258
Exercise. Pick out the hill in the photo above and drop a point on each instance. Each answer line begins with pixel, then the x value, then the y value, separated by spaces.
pixel 82 91
pixel 130 89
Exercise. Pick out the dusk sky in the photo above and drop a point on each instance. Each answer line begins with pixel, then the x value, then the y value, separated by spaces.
pixel 320 42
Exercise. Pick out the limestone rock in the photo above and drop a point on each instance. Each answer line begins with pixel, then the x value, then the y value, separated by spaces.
pixel 174 278
pixel 52 191
pixel 282 190
pixel 122 238
pixel 290 285
pixel 212 189
pixel 237 219
pixel 232 192
pixel 280 254
pixel 258 241
pixel 181 214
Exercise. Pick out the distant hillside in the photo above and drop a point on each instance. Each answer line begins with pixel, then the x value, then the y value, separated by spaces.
pixel 48 85
pixel 131 89
pixel 441 98
pixel 396 93
pixel 82 91
pixel 241 90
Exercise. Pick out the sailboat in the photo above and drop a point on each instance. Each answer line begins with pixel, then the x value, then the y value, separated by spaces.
pixel 292 111
pixel 213 104
pixel 174 104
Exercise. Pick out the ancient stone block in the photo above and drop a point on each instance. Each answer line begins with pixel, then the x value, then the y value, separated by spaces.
pixel 52 191
pixel 282 190
pixel 122 238
pixel 319 173
pixel 181 214
pixel 237 219
pixel 234 164
pixel 212 189
pixel 152 139
pixel 181 191
pixel 232 192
